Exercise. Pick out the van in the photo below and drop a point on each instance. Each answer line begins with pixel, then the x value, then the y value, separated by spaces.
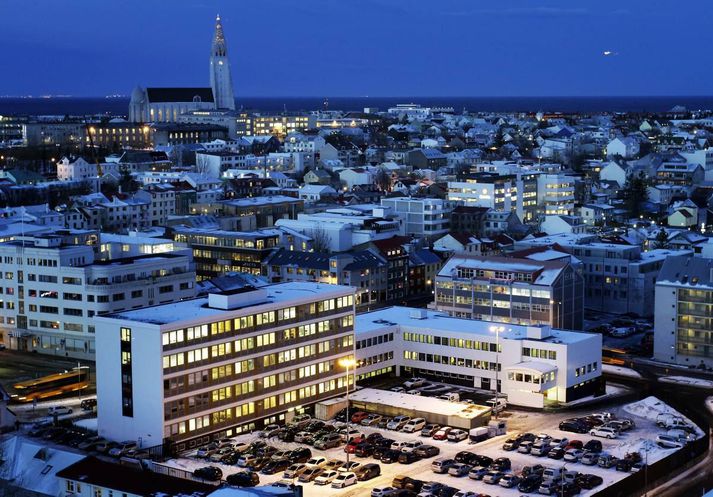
pixel 88 404
pixel 479 434
pixel 415 424
pixel 329 441
pixel 497 404
pixel 442 465
pixel 450 396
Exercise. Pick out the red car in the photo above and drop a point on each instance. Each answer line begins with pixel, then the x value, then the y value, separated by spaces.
pixel 442 434
pixel 350 448
pixel 574 444
pixel 358 416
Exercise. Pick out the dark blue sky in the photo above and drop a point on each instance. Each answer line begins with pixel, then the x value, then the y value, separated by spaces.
pixel 361 47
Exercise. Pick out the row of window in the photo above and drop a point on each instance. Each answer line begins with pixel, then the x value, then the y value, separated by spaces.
pixel 377 340
pixel 451 361
pixel 452 342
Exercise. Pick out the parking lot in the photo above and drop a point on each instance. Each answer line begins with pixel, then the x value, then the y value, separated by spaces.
pixel 640 439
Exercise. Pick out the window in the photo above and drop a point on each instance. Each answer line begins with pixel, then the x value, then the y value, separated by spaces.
pixel 125 334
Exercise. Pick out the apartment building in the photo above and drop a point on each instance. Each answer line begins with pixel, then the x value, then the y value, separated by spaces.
pixel 501 192
pixel 216 366
pixel 530 365
pixel 555 194
pixel 54 285
pixel 421 217
pixel 216 252
pixel 365 270
pixel 618 278
pixel 512 290
pixel 683 317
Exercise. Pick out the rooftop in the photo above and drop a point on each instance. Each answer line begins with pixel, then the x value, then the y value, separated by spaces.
pixel 411 319
pixel 198 310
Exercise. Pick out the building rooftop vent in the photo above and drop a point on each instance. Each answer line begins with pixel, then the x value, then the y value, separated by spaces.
pixel 418 314
pixel 235 299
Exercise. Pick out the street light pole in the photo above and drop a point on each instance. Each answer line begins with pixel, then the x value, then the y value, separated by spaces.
pixel 347 362
pixel 497 330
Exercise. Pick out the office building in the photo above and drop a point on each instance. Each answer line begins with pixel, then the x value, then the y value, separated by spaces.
pixel 201 369
pixel 54 285
pixel 532 366
pixel 512 290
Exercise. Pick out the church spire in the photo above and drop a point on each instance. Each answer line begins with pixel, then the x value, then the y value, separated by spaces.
pixel 219 47
pixel 220 79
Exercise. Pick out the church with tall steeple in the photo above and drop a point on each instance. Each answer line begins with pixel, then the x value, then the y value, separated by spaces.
pixel 166 104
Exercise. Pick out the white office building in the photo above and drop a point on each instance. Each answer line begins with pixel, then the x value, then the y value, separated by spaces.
pixel 54 285
pixel 200 369
pixel 421 217
pixel 532 365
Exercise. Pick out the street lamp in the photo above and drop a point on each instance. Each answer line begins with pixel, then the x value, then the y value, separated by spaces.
pixel 347 362
pixel 497 330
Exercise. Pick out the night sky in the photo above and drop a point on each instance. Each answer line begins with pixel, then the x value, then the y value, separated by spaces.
pixel 361 47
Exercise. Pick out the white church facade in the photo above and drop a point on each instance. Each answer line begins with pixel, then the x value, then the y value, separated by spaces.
pixel 166 104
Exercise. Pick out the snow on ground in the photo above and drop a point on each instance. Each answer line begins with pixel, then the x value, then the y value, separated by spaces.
pixel 611 391
pixel 684 380
pixel 650 408
pixel 641 439
pixel 87 423
pixel 620 371
pixel 709 404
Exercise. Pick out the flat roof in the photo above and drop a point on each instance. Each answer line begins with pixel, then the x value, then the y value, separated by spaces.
pixel 407 318
pixel 197 309
pixel 417 402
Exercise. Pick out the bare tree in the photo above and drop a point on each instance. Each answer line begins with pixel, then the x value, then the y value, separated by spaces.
pixel 382 179
pixel 320 239
pixel 202 164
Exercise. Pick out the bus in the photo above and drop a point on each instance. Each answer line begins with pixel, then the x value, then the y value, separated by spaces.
pixel 615 357
pixel 54 385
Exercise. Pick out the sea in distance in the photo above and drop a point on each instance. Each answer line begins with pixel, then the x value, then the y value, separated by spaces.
pixel 118 106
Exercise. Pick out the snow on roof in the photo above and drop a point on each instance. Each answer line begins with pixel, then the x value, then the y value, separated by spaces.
pixel 405 319
pixel 416 402
pixel 33 466
pixel 540 367
pixel 199 311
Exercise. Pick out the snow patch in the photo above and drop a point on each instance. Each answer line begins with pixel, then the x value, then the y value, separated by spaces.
pixel 620 371
pixel 684 380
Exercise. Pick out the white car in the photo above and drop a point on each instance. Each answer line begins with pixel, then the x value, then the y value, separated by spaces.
pixel 411 446
pixel 317 462
pixel 241 447
pixel 415 382
pixel 573 455
pixel 669 442
pixel 344 480
pixel 457 435
pixel 59 410
pixel 465 493
pixel 604 432
pixel 382 491
pixel 326 478
pixel 416 424
pixel 398 445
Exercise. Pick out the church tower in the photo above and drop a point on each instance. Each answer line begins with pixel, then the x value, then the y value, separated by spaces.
pixel 220 80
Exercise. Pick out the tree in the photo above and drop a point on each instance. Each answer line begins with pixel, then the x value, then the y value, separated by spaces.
pixel 127 182
pixel 382 179
pixel 320 239
pixel 661 240
pixel 634 194
pixel 202 164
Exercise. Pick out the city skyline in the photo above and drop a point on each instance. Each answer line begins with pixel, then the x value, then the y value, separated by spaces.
pixel 317 48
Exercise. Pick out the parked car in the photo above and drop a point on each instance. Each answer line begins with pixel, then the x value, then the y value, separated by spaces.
pixel 457 435
pixel 668 442
pixel 525 447
pixel 364 449
pixel 540 448
pixel 415 382
pixel 603 432
pixel 442 433
pixel 511 444
pixel 478 472
pixel 371 420
pixel 588 481
pixel 327 477
pixel 529 483
pixel 243 479
pixel 501 464
pixel 294 470
pixel 426 451
pixel 442 465
pixel 413 425
pixel 574 426
pixel 348 466
pixel 459 469
pixel 88 404
pixel 411 446
pixel 345 479
pixel 274 467
pixel 430 429
pixel 556 453
pixel 367 471
pixel 606 461
pixel 493 477
pixel 509 481
pixel 390 456
pixel 407 457
pixel 330 441
pixel 358 416
pixel 210 473
pixel 122 448
pixel 310 474
pixel 398 422
pixel 382 491
pixel 573 455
